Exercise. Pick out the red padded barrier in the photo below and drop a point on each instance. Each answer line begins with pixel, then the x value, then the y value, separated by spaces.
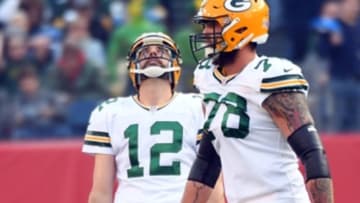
pixel 344 156
pixel 44 172
pixel 57 172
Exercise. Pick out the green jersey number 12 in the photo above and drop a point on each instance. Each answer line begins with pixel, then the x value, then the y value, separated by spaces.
pixel 132 132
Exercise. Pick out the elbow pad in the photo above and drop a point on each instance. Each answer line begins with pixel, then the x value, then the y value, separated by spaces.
pixel 306 143
pixel 207 166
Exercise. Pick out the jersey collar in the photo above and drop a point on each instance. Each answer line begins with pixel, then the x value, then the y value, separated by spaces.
pixel 226 79
pixel 154 108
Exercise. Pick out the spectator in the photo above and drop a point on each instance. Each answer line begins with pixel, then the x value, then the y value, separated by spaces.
pixel 95 12
pixel 6 109
pixel 37 112
pixel 122 38
pixel 34 10
pixel 41 54
pixel 344 69
pixel 182 40
pixel 297 17
pixel 38 22
pixel 327 23
pixel 74 77
pixel 78 31
pixel 7 9
pixel 117 12
pixel 315 67
pixel 18 21
pixel 99 23
pixel 278 43
pixel 15 56
pixel 3 75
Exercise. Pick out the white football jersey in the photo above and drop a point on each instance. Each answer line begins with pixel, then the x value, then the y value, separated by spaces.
pixel 154 149
pixel 257 162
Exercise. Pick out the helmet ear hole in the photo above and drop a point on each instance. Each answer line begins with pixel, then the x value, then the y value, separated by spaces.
pixel 241 30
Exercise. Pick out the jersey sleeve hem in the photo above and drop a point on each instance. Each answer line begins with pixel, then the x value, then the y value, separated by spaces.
pixel 293 82
pixel 89 149
pixel 97 142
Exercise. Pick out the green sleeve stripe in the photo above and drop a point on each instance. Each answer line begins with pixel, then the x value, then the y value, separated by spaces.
pixel 97 133
pixel 99 144
pixel 282 78
pixel 280 89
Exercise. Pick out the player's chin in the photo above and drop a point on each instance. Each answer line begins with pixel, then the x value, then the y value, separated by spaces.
pixel 154 63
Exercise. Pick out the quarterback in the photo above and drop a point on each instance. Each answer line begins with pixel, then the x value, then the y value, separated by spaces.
pixel 145 141
pixel 257 121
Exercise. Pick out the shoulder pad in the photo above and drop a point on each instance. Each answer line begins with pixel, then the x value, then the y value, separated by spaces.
pixel 280 75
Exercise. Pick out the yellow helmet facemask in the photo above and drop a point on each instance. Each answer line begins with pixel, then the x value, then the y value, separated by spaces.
pixel 241 22
pixel 168 52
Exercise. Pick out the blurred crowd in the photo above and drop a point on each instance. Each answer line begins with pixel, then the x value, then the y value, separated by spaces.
pixel 61 58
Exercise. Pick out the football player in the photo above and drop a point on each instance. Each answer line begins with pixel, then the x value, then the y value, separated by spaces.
pixel 147 141
pixel 257 118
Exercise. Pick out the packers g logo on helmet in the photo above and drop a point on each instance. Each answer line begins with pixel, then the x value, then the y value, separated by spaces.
pixel 237 6
pixel 241 22
pixel 171 69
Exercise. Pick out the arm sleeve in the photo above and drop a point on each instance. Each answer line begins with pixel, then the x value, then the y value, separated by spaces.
pixel 207 165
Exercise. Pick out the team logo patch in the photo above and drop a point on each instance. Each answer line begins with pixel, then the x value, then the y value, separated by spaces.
pixel 237 5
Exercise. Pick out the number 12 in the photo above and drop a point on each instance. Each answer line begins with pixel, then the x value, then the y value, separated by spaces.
pixel 132 132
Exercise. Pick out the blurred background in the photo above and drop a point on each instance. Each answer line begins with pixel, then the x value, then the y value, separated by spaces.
pixel 60 58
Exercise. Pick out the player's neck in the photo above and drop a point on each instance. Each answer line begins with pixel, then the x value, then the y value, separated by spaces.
pixel 243 58
pixel 155 94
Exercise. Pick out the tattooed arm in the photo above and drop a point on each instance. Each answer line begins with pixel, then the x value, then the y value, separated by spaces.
pixel 290 112
pixel 321 190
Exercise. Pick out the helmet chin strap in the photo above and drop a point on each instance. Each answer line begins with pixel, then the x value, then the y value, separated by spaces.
pixel 154 71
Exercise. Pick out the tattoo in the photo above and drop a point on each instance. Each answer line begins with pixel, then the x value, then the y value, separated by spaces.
pixel 321 190
pixel 198 189
pixel 288 108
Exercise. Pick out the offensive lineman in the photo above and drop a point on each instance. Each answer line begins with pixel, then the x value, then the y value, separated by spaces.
pixel 257 118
